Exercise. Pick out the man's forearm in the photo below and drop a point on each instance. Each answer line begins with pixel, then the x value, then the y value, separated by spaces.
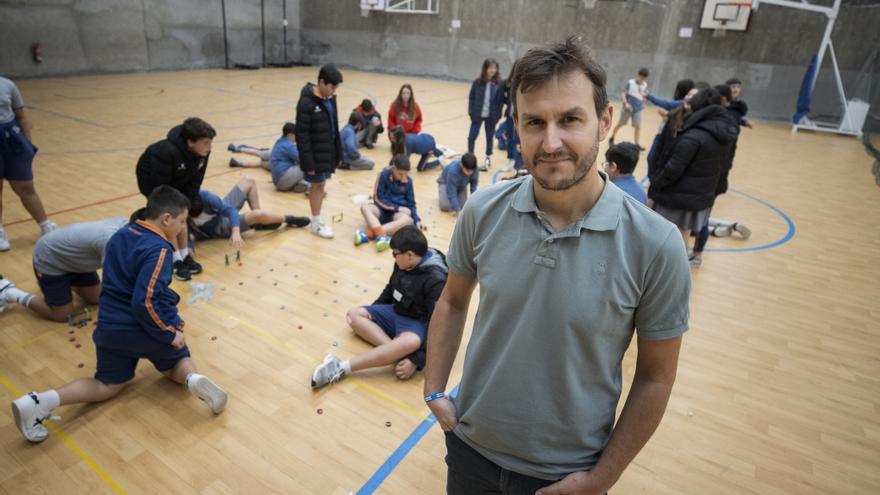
pixel 444 337
pixel 640 417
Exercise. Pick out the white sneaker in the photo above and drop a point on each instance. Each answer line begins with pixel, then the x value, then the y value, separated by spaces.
pixel 329 371
pixel 208 391
pixel 4 298
pixel 744 231
pixel 4 240
pixel 721 231
pixel 29 418
pixel 509 165
pixel 49 227
pixel 322 230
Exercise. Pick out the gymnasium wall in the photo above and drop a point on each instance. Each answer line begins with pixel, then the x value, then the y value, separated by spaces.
pixel 89 36
pixel 770 57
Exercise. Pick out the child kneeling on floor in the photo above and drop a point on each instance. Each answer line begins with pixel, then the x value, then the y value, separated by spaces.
pixel 138 320
pixel 396 324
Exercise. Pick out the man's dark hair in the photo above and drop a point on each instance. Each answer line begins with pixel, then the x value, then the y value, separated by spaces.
pixel 704 98
pixel 355 118
pixel 401 162
pixel 410 238
pixel 624 155
pixel 724 90
pixel 367 105
pixel 644 72
pixel 195 128
pixel 288 128
pixel 196 206
pixel 165 199
pixel 539 65
pixel 682 88
pixel 330 75
pixel 732 81
pixel 469 161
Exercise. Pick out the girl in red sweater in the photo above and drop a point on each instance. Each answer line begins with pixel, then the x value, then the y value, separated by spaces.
pixel 405 112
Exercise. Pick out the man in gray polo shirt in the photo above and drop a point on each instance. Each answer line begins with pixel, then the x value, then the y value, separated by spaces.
pixel 568 266
pixel 66 260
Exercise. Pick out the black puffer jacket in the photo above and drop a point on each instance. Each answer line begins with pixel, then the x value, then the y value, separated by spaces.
pixel 415 292
pixel 317 133
pixel 170 162
pixel 737 112
pixel 688 179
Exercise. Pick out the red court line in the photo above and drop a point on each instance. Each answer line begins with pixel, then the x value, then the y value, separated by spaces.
pixel 103 201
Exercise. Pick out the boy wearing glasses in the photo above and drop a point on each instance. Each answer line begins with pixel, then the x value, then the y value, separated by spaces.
pixel 396 324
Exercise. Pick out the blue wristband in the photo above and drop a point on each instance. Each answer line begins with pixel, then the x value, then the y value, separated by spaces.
pixel 438 395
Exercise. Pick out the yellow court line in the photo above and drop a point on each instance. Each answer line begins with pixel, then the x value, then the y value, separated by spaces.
pixel 67 441
pixel 285 346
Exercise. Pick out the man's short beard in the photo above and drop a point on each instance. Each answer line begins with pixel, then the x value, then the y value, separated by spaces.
pixel 582 167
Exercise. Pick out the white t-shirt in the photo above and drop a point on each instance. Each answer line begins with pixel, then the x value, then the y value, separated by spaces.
pixel 636 89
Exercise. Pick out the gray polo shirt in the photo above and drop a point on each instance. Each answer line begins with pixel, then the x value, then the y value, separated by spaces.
pixel 10 100
pixel 75 248
pixel 542 371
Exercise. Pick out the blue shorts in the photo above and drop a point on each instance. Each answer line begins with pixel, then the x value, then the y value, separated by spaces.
pixel 16 153
pixel 118 354
pixel 57 288
pixel 317 177
pixel 385 216
pixel 394 324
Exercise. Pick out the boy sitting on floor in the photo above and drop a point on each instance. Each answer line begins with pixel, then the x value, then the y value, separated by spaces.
pixel 394 205
pixel 138 320
pixel 396 324
pixel 213 218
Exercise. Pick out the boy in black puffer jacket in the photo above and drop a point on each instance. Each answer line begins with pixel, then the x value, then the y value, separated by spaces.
pixel 397 322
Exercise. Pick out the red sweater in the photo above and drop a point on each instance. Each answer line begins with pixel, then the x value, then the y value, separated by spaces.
pixel 401 118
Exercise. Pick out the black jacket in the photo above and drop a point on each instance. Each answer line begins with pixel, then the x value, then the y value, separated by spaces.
pixel 415 292
pixel 170 162
pixel 317 133
pixel 688 179
pixel 737 112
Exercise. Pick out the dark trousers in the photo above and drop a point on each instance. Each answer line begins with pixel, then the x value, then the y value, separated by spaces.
pixel 475 131
pixel 469 473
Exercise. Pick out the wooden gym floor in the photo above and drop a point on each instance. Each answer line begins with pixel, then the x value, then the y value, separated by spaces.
pixel 779 382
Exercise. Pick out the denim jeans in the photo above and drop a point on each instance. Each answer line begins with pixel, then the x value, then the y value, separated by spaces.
pixel 475 131
pixel 469 473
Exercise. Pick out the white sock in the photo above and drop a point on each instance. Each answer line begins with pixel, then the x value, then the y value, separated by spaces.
pixel 17 295
pixel 179 255
pixel 49 400
pixel 189 377
pixel 316 219
pixel 45 222
pixel 346 366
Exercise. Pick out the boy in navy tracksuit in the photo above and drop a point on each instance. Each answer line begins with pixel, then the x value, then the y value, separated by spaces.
pixel 351 157
pixel 397 322
pixel 138 319
pixel 394 205
pixel 420 144
pixel 454 182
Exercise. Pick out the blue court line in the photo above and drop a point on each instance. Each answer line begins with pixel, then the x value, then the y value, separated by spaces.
pixel 787 237
pixel 398 455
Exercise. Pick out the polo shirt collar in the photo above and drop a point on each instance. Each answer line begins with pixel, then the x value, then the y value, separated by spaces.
pixel 604 215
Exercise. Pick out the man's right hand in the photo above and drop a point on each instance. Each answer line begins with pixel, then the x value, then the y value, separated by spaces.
pixel 445 412
pixel 179 341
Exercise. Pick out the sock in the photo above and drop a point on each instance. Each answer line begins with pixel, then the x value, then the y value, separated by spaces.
pixel 179 255
pixel 188 378
pixel 346 366
pixel 49 400
pixel 316 219
pixel 17 295
pixel 380 232
pixel 45 222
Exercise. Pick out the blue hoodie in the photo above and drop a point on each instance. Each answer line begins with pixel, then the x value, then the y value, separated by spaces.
pixel 392 193
pixel 217 207
pixel 349 143
pixel 284 156
pixel 456 180
pixel 136 298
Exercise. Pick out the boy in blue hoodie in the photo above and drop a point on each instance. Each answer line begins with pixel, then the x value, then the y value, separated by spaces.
pixel 397 322
pixel 213 218
pixel 351 157
pixel 394 205
pixel 452 185
pixel 138 319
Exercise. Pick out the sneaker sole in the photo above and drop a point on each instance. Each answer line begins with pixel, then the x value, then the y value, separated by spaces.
pixel 19 423
pixel 211 394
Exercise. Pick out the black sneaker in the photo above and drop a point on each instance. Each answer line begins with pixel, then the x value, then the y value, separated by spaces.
pixel 194 267
pixel 297 221
pixel 181 271
pixel 234 163
pixel 232 148
pixel 267 226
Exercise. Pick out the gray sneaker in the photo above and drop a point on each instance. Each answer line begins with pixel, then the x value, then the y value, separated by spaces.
pixel 744 231
pixel 329 371
pixel 4 240
pixel 29 419
pixel 4 297
pixel 696 261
